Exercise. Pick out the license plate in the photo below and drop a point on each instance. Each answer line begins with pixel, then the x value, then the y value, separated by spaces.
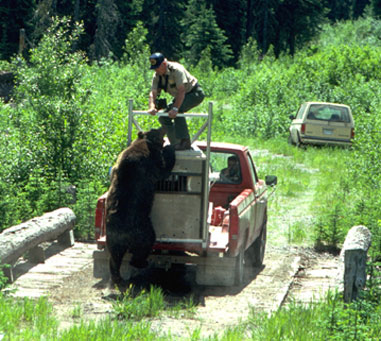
pixel 327 132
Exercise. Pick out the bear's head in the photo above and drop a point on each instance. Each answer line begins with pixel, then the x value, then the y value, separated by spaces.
pixel 153 137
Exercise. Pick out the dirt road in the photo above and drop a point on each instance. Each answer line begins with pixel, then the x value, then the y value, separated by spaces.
pixel 289 272
pixel 66 278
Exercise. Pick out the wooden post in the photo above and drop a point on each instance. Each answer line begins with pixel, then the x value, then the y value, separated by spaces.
pixel 354 253
pixel 21 40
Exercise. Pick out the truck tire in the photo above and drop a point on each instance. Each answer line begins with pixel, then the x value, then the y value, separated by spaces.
pixel 255 254
pixel 260 246
pixel 239 268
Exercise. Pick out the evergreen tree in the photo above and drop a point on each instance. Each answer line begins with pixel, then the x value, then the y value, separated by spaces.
pixel 230 16
pixel 376 8
pixel 338 9
pixel 265 22
pixel 14 15
pixel 163 22
pixel 130 13
pixel 200 31
pixel 358 8
pixel 298 21
pixel 249 19
pixel 107 21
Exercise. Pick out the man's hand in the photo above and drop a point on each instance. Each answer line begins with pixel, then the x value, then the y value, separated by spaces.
pixel 152 111
pixel 172 113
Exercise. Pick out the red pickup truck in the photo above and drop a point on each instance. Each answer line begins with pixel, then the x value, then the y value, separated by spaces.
pixel 211 216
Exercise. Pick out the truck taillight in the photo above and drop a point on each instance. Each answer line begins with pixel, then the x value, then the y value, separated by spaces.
pixel 303 128
pixel 352 133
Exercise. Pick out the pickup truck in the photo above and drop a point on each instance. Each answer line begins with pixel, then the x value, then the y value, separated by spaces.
pixel 214 222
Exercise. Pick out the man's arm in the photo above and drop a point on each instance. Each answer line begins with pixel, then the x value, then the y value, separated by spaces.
pixel 151 102
pixel 178 101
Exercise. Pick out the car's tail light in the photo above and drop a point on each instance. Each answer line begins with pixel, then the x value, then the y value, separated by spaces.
pixel 303 128
pixel 352 133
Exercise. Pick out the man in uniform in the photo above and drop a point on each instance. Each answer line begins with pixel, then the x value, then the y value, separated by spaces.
pixel 174 79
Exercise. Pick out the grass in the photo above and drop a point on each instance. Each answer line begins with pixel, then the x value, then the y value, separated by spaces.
pixel 313 170
pixel 27 319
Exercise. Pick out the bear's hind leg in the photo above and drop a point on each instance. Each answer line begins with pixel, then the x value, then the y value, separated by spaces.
pixel 116 258
pixel 143 243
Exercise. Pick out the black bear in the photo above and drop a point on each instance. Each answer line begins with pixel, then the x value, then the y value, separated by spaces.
pixel 130 198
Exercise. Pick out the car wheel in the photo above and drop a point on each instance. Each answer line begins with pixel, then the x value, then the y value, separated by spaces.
pixel 290 140
pixel 298 142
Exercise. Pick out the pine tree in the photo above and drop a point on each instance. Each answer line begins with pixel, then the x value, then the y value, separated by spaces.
pixel 358 8
pixel 298 21
pixel 14 15
pixel 164 27
pixel 107 21
pixel 230 16
pixel 338 9
pixel 200 32
pixel 376 8
pixel 265 22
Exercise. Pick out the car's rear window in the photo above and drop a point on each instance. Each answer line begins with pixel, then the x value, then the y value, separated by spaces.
pixel 301 111
pixel 326 112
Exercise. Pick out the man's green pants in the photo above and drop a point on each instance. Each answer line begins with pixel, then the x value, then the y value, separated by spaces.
pixel 177 129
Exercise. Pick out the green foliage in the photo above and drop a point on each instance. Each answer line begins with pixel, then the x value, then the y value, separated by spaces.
pixel 376 8
pixel 327 319
pixel 111 330
pixel 144 304
pixel 3 278
pixel 201 32
pixel 53 73
pixel 26 319
pixel 68 123
pixel 163 21
pixel 136 47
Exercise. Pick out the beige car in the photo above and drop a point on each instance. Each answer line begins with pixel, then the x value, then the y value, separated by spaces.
pixel 322 123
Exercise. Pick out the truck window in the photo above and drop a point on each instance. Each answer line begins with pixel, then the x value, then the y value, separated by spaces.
pixel 252 169
pixel 227 166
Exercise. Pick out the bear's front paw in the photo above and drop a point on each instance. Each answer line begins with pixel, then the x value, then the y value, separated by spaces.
pixel 139 263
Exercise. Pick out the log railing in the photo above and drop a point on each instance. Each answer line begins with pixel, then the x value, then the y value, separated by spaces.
pixel 25 238
pixel 354 256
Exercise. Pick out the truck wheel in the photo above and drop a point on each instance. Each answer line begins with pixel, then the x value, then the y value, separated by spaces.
pixel 255 254
pixel 239 268
pixel 259 246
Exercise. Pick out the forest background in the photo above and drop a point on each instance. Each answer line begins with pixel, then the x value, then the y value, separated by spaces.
pixel 66 120
pixel 257 61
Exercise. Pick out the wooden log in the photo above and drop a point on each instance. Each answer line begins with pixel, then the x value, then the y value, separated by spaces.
pixel 354 255
pixel 18 240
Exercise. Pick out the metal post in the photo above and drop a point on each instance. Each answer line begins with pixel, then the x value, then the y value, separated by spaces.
pixel 130 118
pixel 206 177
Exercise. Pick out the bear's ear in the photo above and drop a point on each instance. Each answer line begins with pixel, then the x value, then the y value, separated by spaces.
pixel 141 135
